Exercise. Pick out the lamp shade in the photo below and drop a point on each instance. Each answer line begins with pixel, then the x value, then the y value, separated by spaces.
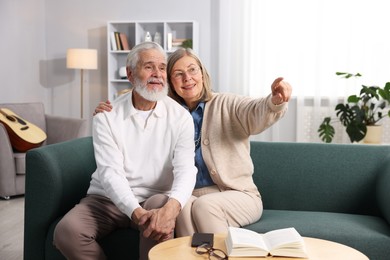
pixel 81 59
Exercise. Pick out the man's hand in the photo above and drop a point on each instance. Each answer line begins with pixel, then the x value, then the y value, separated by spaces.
pixel 159 223
pixel 281 91
pixel 139 213
pixel 103 106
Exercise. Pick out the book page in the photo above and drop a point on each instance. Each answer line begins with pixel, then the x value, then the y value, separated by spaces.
pixel 246 238
pixel 287 237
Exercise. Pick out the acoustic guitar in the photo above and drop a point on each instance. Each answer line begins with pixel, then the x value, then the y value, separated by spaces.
pixel 23 134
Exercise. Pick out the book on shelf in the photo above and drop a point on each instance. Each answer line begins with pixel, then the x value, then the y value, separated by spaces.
pixel 124 42
pixel 169 41
pixel 113 41
pixel 286 242
pixel 118 41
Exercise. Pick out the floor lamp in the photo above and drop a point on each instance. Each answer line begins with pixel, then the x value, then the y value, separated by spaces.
pixel 81 59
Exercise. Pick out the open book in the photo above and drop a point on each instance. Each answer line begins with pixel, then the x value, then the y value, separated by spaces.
pixel 286 242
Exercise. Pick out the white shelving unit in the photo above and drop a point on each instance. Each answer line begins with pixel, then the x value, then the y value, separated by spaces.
pixel 135 32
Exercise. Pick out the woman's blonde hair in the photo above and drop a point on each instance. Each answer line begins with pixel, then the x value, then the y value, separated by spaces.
pixel 172 59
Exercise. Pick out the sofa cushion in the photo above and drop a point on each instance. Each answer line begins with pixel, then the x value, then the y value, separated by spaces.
pixel 362 232
pixel 20 163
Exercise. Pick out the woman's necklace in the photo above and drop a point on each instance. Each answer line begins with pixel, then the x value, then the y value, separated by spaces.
pixel 197 140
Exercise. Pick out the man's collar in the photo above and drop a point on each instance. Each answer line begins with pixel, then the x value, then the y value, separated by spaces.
pixel 159 110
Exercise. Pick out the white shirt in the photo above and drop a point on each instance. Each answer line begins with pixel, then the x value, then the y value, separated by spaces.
pixel 137 160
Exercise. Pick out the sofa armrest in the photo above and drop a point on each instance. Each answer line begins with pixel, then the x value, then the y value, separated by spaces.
pixel 5 147
pixel 60 129
pixel 382 190
pixel 57 177
pixel 7 163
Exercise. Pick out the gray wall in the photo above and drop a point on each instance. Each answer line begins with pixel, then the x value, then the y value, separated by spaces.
pixel 22 48
pixel 36 34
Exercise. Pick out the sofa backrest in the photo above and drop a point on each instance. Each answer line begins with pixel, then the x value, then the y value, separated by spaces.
pixel 60 169
pixel 319 177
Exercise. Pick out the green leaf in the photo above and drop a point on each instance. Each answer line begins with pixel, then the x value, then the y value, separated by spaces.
pixel 348 75
pixel 326 130
pixel 353 99
pixel 356 131
pixel 385 92
pixel 369 92
pixel 344 113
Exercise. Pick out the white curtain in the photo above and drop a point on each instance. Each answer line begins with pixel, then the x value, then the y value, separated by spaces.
pixel 306 42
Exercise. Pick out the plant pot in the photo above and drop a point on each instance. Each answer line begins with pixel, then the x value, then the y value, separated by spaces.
pixel 373 135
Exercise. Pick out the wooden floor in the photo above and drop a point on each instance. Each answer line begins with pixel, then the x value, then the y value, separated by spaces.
pixel 11 228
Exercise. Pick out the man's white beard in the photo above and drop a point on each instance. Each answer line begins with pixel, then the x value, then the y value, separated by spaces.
pixel 150 94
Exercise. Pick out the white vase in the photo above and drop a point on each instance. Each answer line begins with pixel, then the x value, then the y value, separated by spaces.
pixel 373 135
pixel 148 37
pixel 122 72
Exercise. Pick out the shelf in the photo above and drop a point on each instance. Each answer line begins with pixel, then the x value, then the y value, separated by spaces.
pixel 135 33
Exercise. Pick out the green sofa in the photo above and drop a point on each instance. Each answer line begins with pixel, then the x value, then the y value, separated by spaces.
pixel 329 191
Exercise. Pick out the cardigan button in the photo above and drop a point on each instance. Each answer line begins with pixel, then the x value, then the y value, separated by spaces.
pixel 213 172
pixel 206 142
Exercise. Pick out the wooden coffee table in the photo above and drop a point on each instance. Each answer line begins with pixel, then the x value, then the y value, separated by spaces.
pixel 317 249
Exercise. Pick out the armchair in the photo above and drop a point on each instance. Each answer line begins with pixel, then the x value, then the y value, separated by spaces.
pixel 12 163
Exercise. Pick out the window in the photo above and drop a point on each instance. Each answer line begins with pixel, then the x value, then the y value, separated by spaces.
pixel 306 42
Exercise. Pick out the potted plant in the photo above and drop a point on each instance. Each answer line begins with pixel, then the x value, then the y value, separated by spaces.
pixel 358 112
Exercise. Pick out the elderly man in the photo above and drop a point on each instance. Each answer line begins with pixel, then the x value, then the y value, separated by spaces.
pixel 145 174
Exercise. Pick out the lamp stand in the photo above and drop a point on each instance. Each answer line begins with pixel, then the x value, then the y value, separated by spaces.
pixel 81 92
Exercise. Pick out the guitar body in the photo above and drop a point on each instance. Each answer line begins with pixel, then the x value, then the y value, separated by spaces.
pixel 23 134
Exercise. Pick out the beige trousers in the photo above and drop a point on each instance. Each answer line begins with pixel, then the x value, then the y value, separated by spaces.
pixel 210 210
pixel 77 233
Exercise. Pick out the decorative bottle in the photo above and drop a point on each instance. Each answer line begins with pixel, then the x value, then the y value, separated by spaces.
pixel 157 38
